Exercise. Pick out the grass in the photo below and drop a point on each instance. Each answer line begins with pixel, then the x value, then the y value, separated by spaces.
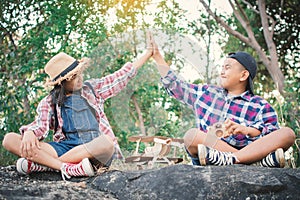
pixel 7 158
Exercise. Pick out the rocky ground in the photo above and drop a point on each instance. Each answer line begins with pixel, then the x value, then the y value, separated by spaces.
pixel 46 186
pixel 172 182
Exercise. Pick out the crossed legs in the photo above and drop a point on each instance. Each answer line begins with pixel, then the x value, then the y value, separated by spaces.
pixel 101 148
pixel 255 151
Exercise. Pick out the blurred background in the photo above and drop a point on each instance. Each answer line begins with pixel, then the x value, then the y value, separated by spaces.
pixel 194 37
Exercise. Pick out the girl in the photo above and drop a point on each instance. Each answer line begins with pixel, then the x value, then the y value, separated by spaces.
pixel 74 110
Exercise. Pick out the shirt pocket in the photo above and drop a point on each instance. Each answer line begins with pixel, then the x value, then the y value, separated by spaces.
pixel 80 114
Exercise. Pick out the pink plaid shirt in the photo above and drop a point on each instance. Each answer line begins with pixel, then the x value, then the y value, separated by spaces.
pixel 104 88
pixel 212 104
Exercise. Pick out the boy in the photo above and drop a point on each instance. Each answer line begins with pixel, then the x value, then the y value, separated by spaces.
pixel 252 130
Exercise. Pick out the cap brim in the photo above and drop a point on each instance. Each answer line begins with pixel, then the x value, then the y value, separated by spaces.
pixel 250 85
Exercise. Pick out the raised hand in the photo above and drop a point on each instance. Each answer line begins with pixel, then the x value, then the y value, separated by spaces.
pixel 146 54
pixel 149 43
pixel 162 65
pixel 153 46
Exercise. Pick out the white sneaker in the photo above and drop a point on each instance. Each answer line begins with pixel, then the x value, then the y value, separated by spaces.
pixel 274 159
pixel 210 156
pixel 25 166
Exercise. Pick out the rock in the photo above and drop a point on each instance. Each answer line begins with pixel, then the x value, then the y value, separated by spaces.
pixel 172 182
pixel 47 185
pixel 209 182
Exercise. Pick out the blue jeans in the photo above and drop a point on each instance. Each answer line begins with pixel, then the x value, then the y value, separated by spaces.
pixel 79 124
pixel 71 141
pixel 195 160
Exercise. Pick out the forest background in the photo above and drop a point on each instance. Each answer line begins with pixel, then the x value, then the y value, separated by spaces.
pixel 193 35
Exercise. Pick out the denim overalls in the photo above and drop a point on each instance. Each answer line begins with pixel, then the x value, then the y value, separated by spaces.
pixel 79 124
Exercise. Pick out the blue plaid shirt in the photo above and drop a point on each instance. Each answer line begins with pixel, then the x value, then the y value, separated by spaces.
pixel 212 104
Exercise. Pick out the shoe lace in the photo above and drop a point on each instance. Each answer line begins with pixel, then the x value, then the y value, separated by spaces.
pixel 69 169
pixel 63 172
pixel 34 167
pixel 221 158
pixel 269 161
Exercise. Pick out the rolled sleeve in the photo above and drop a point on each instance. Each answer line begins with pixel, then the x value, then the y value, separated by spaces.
pixel 266 121
pixel 40 126
pixel 169 78
pixel 112 84
pixel 181 90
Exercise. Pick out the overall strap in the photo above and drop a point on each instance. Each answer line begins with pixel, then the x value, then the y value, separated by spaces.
pixel 91 87
pixel 56 119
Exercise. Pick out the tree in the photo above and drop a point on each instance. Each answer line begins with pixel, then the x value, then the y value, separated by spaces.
pixel 31 33
pixel 271 29
pixel 267 55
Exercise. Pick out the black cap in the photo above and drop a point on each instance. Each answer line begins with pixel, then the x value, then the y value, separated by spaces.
pixel 249 63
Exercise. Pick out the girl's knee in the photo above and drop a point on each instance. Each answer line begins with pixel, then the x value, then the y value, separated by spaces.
pixel 107 144
pixel 9 139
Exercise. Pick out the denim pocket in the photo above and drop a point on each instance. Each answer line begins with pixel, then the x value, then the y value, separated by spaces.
pixel 80 116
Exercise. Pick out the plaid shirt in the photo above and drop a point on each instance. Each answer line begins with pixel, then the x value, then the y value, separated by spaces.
pixel 104 88
pixel 212 104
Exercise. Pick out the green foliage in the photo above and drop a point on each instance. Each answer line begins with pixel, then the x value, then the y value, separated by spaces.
pixel 289 111
pixel 31 32
pixel 286 38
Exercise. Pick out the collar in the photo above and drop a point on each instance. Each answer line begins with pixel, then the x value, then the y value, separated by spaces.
pixel 245 95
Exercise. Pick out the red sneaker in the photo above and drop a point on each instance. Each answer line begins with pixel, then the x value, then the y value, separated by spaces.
pixel 25 166
pixel 84 168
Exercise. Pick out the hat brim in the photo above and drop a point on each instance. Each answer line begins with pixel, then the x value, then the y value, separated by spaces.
pixel 78 69
pixel 250 85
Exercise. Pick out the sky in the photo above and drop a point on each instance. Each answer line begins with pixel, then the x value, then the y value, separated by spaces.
pixel 195 61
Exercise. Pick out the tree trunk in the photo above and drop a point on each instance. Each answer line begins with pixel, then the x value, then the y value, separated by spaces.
pixel 270 63
pixel 141 119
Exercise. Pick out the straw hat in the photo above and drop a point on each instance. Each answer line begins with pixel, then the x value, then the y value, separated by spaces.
pixel 62 66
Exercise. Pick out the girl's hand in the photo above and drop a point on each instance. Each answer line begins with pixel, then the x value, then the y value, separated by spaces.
pixel 234 128
pixel 152 47
pixel 161 64
pixel 156 53
pixel 149 44
pixel 29 145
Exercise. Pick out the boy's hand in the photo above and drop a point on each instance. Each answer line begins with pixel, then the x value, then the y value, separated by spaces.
pixel 29 145
pixel 152 47
pixel 149 44
pixel 162 65
pixel 234 128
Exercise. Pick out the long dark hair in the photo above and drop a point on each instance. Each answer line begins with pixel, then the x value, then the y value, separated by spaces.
pixel 58 94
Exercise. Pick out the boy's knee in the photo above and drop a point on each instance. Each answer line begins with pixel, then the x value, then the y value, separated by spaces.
pixel 190 136
pixel 103 148
pixel 290 134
